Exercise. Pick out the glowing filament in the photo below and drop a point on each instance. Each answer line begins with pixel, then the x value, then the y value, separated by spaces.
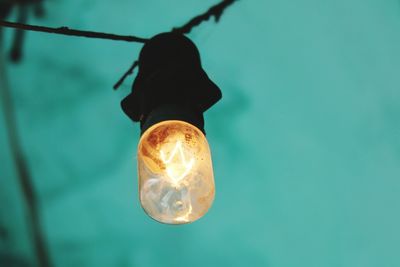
pixel 177 170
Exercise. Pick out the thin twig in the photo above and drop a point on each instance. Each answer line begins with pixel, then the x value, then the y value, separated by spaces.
pixel 214 11
pixel 72 32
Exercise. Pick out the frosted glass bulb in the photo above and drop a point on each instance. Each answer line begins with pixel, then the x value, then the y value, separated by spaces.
pixel 176 181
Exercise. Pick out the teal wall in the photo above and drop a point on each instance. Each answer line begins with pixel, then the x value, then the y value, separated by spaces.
pixel 305 142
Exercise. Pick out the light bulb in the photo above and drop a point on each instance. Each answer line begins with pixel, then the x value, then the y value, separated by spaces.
pixel 169 96
pixel 176 181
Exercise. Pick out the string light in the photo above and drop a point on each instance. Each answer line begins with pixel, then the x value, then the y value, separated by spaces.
pixel 169 96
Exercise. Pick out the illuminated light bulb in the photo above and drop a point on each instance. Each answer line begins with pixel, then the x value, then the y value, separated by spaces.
pixel 176 181
pixel 169 96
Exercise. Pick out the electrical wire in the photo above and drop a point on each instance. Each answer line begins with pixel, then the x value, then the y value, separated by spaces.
pixel 72 32
pixel 215 11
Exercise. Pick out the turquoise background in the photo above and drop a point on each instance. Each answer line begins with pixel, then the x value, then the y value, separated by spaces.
pixel 305 142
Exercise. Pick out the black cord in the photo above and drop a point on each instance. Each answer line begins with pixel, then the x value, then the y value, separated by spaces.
pixel 72 32
pixel 214 11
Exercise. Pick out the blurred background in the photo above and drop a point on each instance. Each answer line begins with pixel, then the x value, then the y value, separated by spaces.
pixel 305 142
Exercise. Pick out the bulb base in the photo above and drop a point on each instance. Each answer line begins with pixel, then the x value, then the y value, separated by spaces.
pixel 170 72
pixel 173 112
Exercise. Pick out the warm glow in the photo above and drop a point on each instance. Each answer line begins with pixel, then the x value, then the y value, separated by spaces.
pixel 177 167
pixel 176 181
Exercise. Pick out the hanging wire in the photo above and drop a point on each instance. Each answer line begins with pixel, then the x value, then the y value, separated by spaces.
pixel 126 74
pixel 72 32
pixel 215 11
